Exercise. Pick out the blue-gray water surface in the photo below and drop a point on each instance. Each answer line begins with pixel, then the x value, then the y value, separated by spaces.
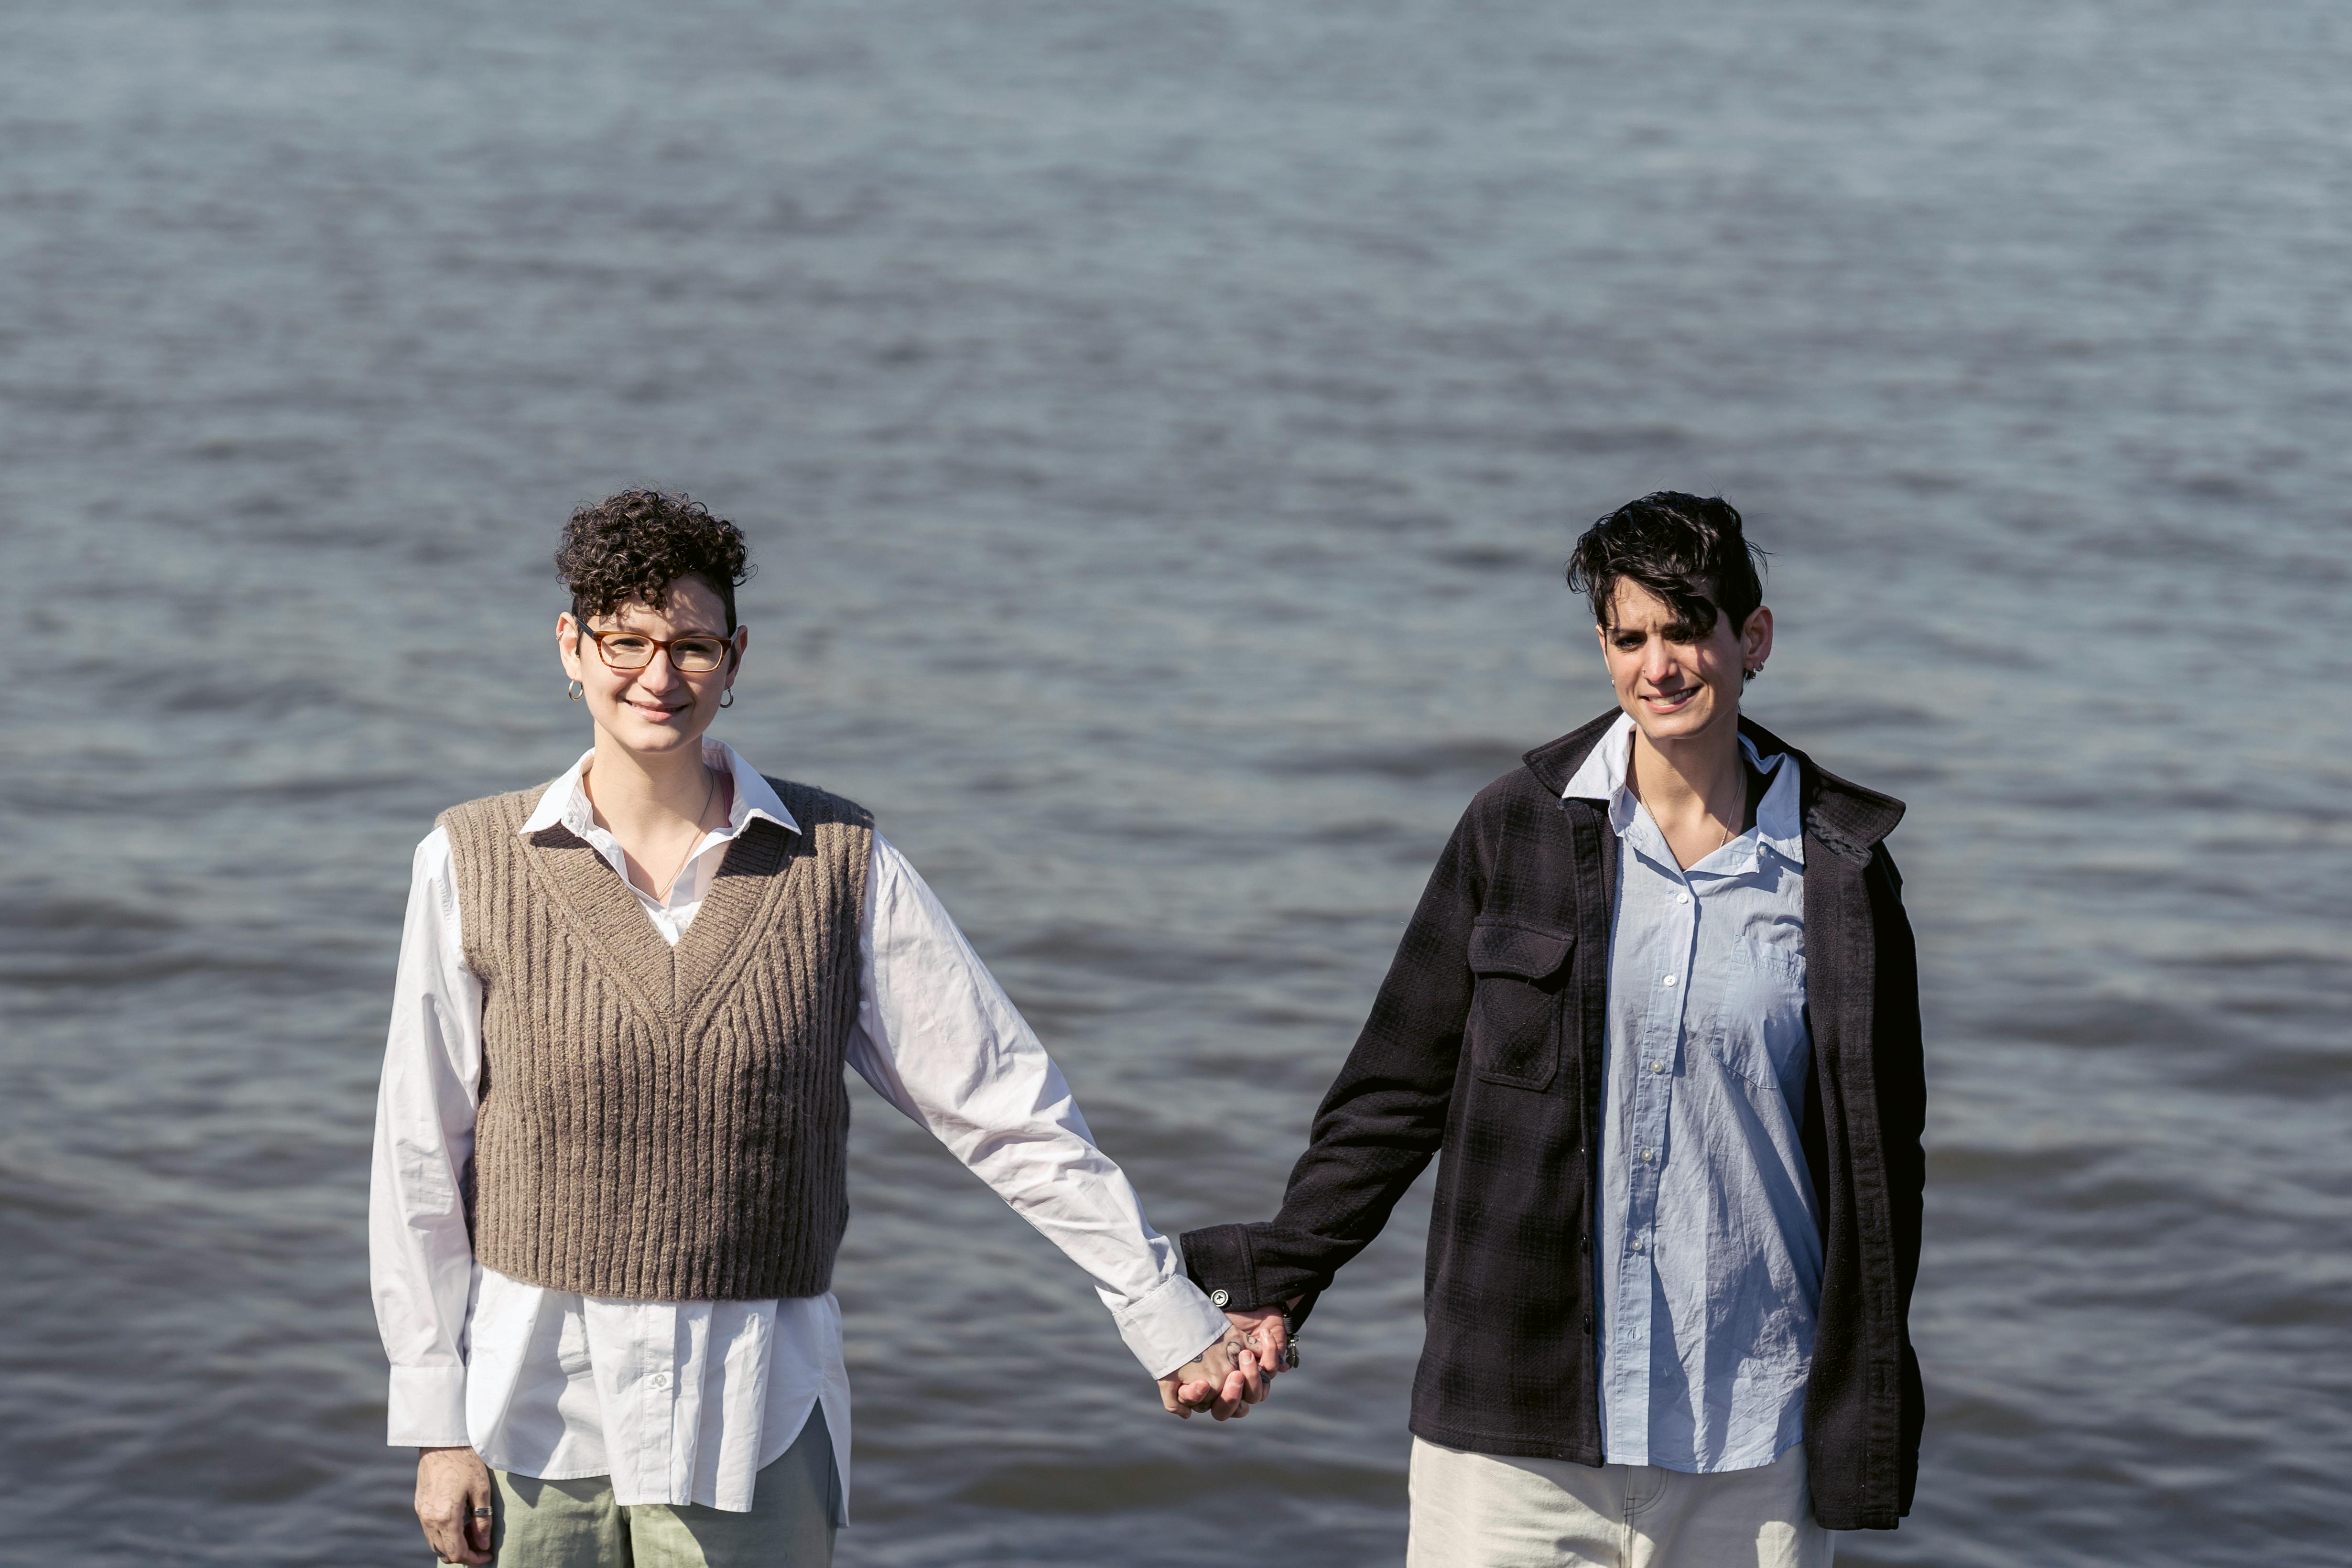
pixel 1161 426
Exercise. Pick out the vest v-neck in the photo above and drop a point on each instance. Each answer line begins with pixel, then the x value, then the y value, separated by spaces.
pixel 671 982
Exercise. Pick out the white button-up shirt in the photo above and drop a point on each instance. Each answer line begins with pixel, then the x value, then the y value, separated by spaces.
pixel 1707 1257
pixel 683 1402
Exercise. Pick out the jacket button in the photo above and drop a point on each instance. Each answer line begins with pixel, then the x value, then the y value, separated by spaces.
pixel 1219 1298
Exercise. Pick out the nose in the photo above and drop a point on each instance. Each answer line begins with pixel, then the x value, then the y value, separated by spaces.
pixel 1656 662
pixel 658 673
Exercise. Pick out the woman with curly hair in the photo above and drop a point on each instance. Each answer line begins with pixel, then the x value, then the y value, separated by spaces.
pixel 609 1143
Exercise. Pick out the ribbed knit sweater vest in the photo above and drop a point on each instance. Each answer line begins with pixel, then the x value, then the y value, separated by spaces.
pixel 659 1122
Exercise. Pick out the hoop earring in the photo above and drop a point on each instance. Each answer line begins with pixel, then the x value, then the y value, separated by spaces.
pixel 727 697
pixel 575 691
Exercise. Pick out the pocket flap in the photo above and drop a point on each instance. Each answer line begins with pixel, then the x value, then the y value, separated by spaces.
pixel 1507 948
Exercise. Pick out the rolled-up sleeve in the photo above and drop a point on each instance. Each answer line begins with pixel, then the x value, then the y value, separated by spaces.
pixel 420 1258
pixel 939 1038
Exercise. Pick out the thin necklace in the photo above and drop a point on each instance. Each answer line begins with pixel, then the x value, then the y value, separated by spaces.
pixel 1743 812
pixel 712 774
pixel 1718 846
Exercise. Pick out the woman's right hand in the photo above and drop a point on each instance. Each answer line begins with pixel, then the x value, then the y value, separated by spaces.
pixel 1218 1380
pixel 453 1504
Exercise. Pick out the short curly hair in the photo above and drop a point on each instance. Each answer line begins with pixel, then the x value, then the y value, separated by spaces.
pixel 632 545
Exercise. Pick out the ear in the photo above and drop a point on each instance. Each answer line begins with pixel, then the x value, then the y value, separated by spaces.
pixel 1756 640
pixel 567 644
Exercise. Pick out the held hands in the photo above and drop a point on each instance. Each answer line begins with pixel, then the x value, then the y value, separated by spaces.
pixel 1225 1379
pixel 1265 1330
pixel 1237 1371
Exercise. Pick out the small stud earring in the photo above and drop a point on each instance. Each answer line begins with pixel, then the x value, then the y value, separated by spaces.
pixel 575 691
pixel 727 697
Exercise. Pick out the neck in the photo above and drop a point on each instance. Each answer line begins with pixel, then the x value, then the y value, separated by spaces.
pixel 633 790
pixel 1697 777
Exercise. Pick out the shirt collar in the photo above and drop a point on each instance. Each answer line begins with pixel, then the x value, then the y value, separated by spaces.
pixel 565 803
pixel 1779 825
pixel 1602 777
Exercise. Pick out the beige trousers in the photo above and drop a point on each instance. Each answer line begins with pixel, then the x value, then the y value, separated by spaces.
pixel 1490 1511
pixel 576 1524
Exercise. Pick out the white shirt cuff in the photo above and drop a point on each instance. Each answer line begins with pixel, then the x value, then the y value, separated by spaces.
pixel 427 1408
pixel 1170 1326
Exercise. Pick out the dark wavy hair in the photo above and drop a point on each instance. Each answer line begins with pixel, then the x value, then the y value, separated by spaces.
pixel 635 544
pixel 1687 549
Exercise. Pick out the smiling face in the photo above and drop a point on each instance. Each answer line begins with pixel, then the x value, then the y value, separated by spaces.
pixel 1676 685
pixel 660 708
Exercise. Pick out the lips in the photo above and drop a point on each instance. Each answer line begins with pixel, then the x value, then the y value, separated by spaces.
pixel 652 713
pixel 1666 702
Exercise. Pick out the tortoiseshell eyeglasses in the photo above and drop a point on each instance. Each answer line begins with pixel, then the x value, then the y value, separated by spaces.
pixel 697 655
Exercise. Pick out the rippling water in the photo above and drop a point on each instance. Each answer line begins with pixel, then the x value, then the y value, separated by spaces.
pixel 1161 426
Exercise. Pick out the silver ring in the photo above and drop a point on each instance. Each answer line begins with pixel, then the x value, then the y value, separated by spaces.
pixel 485 1513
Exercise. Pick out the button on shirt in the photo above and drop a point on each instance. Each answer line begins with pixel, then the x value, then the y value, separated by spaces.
pixel 683 1402
pixel 1707 1253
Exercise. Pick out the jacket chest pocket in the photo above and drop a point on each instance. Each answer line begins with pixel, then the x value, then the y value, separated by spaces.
pixel 1514 1011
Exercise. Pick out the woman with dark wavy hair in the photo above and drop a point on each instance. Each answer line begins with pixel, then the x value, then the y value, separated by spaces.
pixel 609 1172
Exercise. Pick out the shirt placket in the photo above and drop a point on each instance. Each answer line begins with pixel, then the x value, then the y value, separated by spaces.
pixel 657 1401
pixel 1676 923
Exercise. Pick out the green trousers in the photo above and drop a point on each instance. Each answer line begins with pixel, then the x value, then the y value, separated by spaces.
pixel 576 1524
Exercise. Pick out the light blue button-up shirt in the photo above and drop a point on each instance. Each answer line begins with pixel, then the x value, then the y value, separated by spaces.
pixel 1707 1254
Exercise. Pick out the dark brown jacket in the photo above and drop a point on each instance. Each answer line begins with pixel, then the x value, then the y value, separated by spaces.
pixel 1486 1043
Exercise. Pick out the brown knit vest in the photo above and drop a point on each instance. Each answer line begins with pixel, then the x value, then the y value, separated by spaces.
pixel 662 1124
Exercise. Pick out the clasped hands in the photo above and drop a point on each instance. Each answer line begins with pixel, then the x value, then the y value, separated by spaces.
pixel 1235 1372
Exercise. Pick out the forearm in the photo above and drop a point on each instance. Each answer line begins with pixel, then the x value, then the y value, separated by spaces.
pixel 1048 1170
pixel 939 1040
pixel 1382 1122
pixel 1339 1199
pixel 421 1270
